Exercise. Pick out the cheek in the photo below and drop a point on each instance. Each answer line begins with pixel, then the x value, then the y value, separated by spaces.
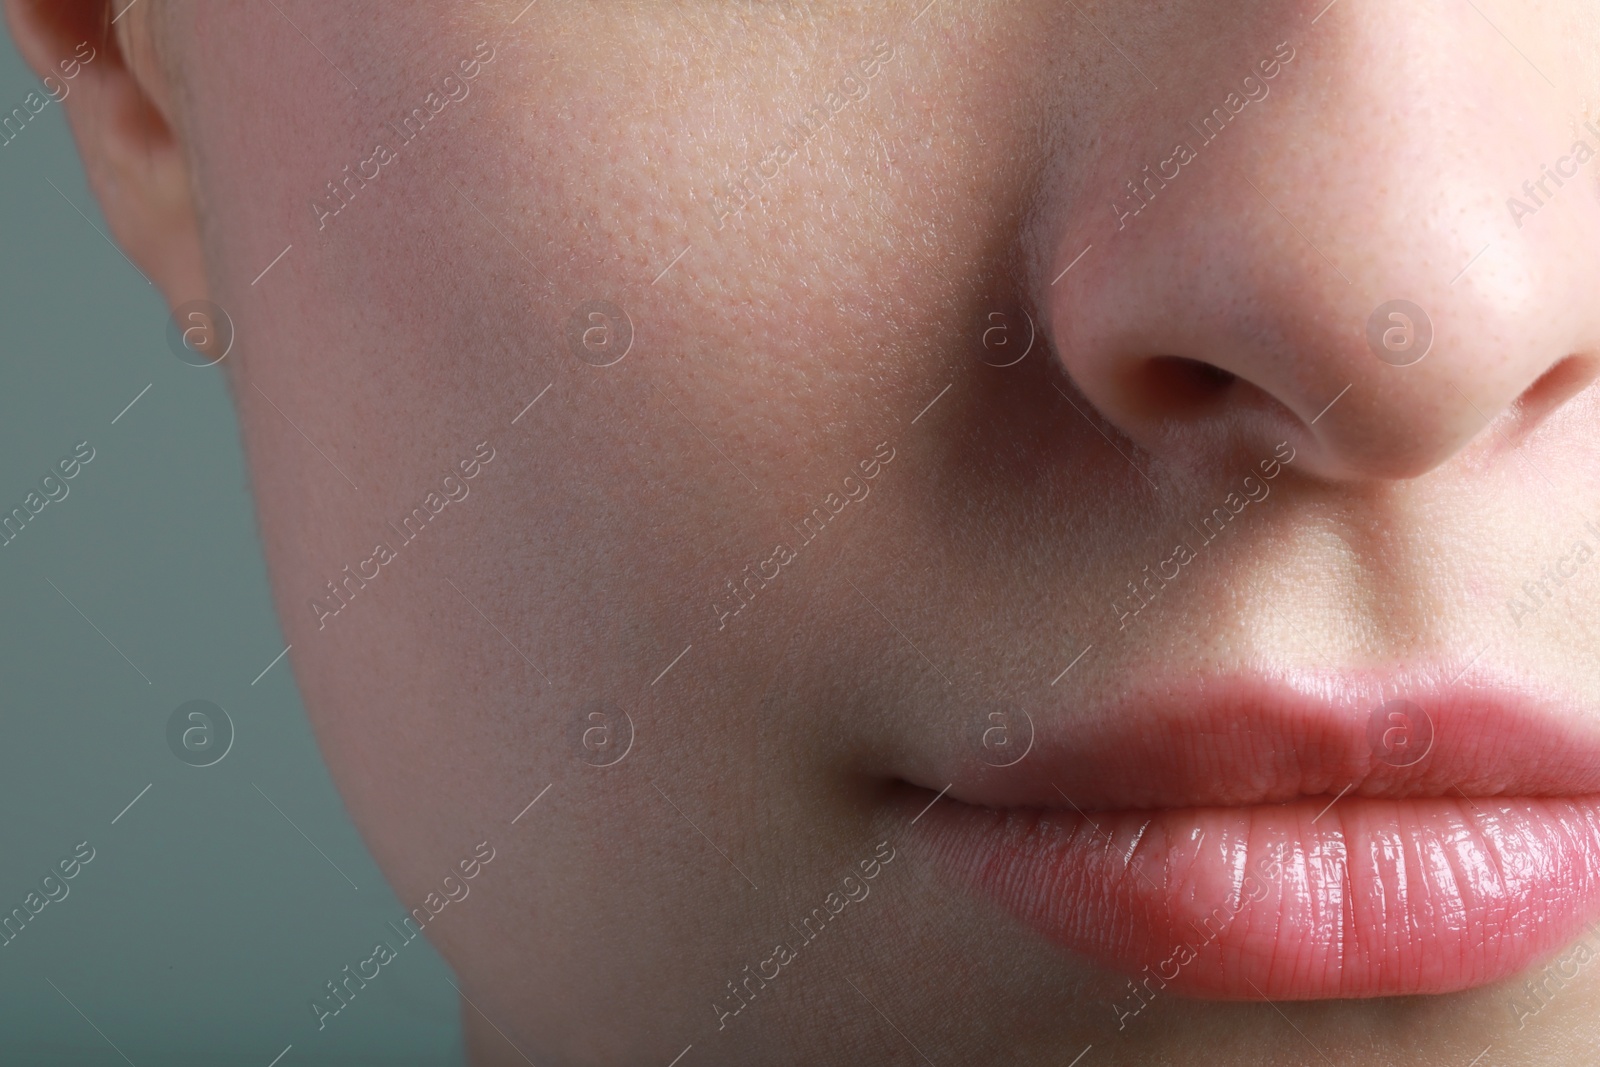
pixel 622 499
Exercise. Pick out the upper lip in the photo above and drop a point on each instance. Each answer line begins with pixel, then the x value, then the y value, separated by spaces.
pixel 1258 738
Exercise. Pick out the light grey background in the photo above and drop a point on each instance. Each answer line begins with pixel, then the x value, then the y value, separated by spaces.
pixel 206 922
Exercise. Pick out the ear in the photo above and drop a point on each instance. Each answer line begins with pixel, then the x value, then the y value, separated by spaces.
pixel 102 63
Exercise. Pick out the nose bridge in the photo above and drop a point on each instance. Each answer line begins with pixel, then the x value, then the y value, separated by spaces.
pixel 1366 258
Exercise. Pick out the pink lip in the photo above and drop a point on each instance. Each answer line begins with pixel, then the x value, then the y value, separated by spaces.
pixel 1191 837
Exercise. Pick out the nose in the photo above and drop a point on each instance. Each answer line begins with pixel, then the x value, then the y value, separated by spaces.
pixel 1385 250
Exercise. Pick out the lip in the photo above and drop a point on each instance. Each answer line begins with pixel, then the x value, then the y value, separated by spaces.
pixel 1257 837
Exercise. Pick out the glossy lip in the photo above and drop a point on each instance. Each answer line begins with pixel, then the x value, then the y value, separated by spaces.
pixel 1255 837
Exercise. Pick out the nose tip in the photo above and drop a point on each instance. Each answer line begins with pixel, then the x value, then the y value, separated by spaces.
pixel 1369 294
pixel 1196 362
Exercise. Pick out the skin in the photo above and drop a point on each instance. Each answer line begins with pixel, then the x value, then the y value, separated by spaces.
pixel 795 336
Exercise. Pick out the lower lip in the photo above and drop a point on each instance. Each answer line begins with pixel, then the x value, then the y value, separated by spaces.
pixel 1298 901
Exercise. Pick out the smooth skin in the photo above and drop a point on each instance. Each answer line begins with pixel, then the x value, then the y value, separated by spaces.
pixel 848 304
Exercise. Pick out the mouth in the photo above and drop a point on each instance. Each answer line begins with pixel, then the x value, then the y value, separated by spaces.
pixel 1256 838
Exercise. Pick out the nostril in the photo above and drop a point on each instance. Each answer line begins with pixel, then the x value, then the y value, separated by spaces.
pixel 1172 386
pixel 1553 388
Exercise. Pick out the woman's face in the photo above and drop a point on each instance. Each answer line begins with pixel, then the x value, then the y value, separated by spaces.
pixel 989 528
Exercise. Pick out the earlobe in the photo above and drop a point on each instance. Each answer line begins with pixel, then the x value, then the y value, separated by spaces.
pixel 122 110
